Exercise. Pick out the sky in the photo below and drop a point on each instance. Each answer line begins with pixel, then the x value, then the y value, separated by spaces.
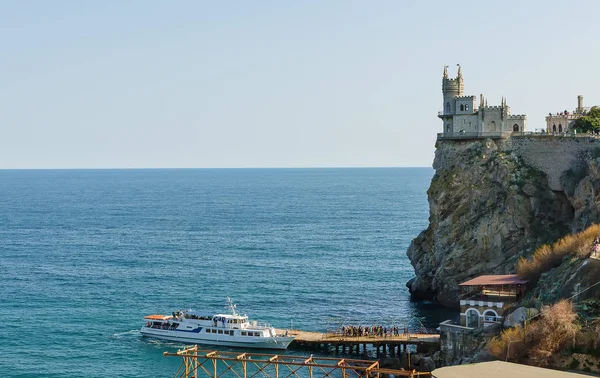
pixel 195 84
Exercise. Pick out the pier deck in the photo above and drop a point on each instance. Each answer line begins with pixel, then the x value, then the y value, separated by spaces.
pixel 333 338
pixel 390 345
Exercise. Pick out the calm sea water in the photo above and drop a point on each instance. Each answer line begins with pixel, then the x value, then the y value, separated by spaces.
pixel 85 254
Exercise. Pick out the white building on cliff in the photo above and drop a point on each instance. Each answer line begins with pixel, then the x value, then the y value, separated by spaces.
pixel 563 122
pixel 462 117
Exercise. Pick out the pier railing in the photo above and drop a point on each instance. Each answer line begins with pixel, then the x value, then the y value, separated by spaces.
pixel 215 364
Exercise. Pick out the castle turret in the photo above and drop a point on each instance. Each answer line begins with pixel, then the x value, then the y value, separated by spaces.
pixel 580 104
pixel 450 89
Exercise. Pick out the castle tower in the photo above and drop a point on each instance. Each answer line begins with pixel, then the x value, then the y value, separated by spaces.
pixel 450 89
pixel 579 104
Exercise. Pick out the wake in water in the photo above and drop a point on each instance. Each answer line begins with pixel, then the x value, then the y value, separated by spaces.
pixel 133 332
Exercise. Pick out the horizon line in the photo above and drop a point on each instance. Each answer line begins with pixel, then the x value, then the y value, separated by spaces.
pixel 190 168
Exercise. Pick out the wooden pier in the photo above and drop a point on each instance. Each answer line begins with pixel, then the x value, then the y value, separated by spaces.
pixel 215 364
pixel 383 345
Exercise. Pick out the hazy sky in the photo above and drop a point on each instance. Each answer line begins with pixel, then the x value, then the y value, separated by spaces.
pixel 102 84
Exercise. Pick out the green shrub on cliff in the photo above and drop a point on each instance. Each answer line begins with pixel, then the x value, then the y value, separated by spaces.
pixel 589 122
pixel 548 257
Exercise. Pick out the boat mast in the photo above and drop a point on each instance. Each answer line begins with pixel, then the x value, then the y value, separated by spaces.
pixel 231 306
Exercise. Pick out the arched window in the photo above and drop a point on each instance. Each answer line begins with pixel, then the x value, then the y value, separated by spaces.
pixel 553 128
pixel 447 128
pixel 515 127
pixel 560 128
pixel 462 108
pixel 493 126
pixel 448 108
pixel 490 317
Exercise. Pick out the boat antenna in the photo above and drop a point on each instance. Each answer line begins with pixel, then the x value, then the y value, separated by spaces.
pixel 231 306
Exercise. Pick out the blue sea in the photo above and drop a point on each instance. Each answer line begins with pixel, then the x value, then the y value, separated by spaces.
pixel 85 254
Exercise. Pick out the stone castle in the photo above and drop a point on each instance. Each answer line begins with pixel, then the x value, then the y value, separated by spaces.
pixel 462 115
pixel 562 122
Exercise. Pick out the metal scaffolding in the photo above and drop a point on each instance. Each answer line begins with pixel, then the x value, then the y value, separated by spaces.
pixel 216 364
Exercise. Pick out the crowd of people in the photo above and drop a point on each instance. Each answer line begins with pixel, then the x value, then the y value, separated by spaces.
pixel 375 330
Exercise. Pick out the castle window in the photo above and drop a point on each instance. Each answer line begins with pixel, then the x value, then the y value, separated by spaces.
pixel 554 128
pixel 462 108
pixel 448 108
pixel 447 128
pixel 467 108
pixel 515 127
pixel 559 128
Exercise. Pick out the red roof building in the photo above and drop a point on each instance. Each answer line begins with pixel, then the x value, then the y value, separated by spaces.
pixel 484 298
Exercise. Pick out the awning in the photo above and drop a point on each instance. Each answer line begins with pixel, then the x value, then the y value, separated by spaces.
pixel 158 317
pixel 503 279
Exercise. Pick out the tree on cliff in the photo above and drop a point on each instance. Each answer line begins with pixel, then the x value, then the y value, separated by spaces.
pixel 589 122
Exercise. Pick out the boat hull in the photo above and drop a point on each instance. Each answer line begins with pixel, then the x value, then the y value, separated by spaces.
pixel 279 342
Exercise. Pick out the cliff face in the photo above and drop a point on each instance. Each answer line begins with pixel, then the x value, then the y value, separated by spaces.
pixel 493 201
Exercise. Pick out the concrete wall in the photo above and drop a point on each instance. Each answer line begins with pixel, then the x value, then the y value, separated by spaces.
pixel 457 341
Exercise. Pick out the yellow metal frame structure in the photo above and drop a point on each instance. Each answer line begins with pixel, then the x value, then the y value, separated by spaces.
pixel 220 364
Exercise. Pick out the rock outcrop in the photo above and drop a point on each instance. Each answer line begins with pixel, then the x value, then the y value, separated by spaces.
pixel 493 201
pixel 520 315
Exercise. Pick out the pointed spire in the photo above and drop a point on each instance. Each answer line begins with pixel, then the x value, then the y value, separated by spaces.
pixel 481 100
pixel 459 72
pixel 445 72
pixel 486 103
pixel 502 102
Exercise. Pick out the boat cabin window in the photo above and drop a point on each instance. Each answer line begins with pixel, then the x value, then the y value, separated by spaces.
pixel 244 333
pixel 220 332
pixel 207 330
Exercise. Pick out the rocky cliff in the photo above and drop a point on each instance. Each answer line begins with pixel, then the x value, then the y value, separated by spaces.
pixel 493 201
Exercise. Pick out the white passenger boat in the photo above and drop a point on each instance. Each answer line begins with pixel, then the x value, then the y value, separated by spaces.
pixel 232 330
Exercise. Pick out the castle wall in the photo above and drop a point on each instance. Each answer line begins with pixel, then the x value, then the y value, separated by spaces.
pixel 467 123
pixel 520 121
pixel 566 121
pixel 492 119
pixel 552 155
pixel 468 103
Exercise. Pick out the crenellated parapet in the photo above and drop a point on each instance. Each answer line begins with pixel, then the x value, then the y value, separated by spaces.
pixel 517 116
